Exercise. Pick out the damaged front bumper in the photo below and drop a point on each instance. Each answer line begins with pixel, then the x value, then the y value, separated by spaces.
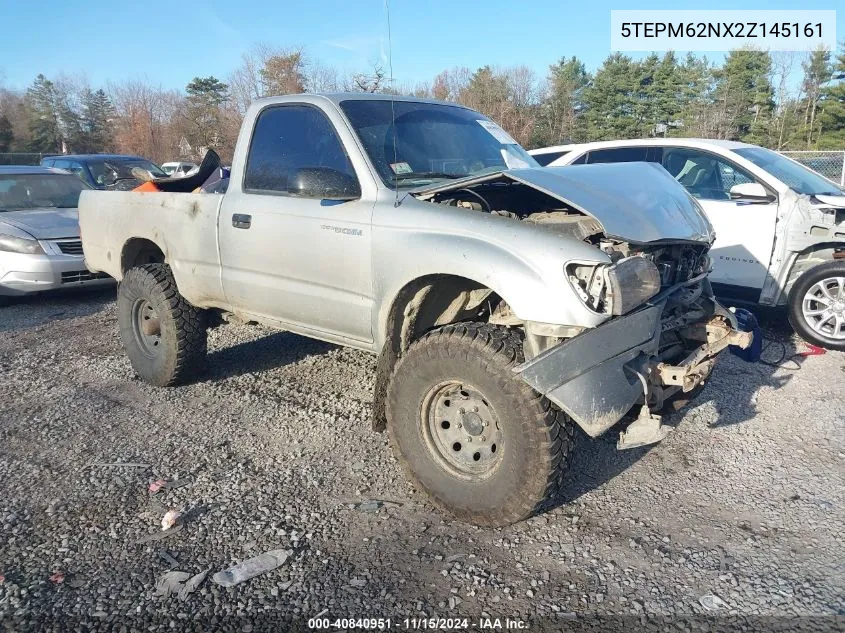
pixel 598 376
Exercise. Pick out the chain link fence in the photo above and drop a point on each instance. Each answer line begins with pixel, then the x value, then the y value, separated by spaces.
pixel 22 158
pixel 831 165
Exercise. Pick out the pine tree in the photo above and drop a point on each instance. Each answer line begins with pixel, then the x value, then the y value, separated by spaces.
pixel 832 108
pixel 561 112
pixel 203 106
pixel 44 122
pixel 695 98
pixel 98 117
pixel 487 92
pixel 817 72
pixel 611 97
pixel 744 96
pixel 665 95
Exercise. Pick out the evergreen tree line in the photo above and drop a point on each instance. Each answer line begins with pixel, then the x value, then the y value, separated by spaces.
pixel 752 96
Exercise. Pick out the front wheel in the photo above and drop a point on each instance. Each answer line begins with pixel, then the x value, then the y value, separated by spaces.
pixel 164 335
pixel 477 439
pixel 817 306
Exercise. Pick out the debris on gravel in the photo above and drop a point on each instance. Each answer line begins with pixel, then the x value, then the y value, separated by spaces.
pixel 744 500
pixel 252 567
pixel 171 582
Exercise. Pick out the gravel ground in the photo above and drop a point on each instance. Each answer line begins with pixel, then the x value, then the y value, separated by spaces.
pixel 744 501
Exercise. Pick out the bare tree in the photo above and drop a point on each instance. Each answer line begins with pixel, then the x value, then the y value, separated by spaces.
pixel 146 116
pixel 321 78
pixel 373 80
pixel 449 84
pixel 784 115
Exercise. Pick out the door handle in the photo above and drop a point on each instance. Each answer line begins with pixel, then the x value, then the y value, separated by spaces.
pixel 241 220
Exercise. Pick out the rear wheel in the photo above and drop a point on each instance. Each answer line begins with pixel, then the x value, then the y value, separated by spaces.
pixel 164 335
pixel 475 437
pixel 817 306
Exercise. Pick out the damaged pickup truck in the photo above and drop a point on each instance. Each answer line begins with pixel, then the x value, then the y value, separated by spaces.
pixel 506 302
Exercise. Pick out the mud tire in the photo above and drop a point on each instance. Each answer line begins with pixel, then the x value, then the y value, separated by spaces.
pixel 179 354
pixel 537 437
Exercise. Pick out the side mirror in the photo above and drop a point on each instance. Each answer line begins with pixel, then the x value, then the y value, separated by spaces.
pixel 324 183
pixel 750 191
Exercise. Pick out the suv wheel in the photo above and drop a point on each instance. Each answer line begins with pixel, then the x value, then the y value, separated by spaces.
pixel 817 305
pixel 475 437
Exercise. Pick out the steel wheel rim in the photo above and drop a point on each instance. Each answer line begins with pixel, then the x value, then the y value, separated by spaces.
pixel 823 308
pixel 461 430
pixel 146 327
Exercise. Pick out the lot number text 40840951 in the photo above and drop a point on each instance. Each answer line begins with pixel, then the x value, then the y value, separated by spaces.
pixel 417 624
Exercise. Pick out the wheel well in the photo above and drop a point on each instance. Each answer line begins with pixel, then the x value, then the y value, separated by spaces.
pixel 434 301
pixel 139 251
pixel 420 306
pixel 809 258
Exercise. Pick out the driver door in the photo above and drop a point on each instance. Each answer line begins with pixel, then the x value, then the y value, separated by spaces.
pixel 299 261
pixel 745 231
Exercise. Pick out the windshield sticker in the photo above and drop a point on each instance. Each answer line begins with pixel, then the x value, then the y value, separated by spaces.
pixel 401 168
pixel 512 160
pixel 496 132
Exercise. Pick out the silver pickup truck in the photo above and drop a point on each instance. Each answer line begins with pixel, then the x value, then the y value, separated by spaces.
pixel 506 302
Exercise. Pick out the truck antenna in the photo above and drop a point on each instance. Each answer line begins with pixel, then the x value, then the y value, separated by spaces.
pixel 396 201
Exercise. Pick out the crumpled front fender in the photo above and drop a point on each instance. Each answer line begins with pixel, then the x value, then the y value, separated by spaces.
pixel 599 375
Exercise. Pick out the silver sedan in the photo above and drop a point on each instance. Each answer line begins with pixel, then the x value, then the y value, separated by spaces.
pixel 40 247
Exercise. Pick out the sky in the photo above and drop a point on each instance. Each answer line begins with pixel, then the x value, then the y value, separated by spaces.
pixel 112 41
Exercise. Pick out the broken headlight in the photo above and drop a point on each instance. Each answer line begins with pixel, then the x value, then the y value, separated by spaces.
pixel 631 282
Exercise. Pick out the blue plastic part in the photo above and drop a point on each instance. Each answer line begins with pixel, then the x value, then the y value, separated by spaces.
pixel 747 322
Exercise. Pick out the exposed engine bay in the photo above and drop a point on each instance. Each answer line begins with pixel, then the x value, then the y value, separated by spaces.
pixel 689 312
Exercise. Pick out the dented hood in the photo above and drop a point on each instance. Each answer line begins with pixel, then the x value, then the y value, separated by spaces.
pixel 833 201
pixel 635 202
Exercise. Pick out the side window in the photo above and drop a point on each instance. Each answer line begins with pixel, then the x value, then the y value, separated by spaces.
pixel 61 164
pixel 706 176
pixel 618 155
pixel 288 138
pixel 548 157
pixel 581 160
pixel 75 168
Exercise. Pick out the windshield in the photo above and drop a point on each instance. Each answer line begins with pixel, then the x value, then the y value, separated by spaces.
pixel 433 141
pixel 33 191
pixel 795 176
pixel 107 171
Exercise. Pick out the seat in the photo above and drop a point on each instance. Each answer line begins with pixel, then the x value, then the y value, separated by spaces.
pixel 17 196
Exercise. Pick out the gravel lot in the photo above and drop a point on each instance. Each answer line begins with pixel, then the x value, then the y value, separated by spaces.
pixel 743 501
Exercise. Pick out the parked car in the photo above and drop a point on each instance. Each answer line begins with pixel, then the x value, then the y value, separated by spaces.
pixel 178 169
pixel 780 227
pixel 106 171
pixel 40 248
pixel 506 301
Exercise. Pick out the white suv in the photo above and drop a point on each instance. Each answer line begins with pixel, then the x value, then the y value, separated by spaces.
pixel 780 227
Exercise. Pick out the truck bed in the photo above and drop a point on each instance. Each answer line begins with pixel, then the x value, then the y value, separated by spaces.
pixel 183 226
